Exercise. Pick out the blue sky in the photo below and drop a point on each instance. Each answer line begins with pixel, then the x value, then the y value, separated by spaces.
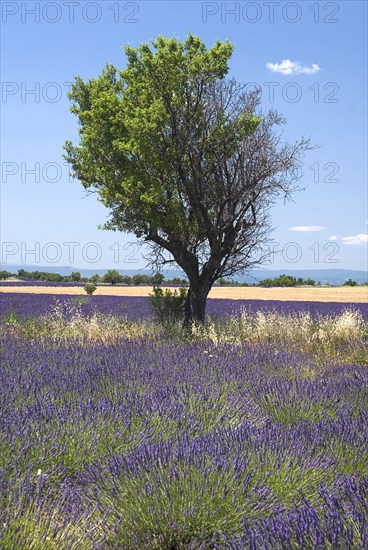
pixel 308 57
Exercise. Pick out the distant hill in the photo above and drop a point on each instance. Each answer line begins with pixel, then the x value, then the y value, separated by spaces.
pixel 324 276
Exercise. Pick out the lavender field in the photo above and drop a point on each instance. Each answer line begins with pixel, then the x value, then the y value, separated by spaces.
pixel 251 434
pixel 136 308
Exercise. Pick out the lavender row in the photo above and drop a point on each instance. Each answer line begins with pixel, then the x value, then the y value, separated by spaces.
pixel 147 444
pixel 137 308
pixel 31 282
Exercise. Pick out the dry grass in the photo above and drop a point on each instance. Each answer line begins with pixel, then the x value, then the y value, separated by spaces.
pixel 339 338
pixel 333 294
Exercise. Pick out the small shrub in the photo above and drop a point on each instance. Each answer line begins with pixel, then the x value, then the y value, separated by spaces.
pixel 12 318
pixel 81 300
pixel 167 306
pixel 89 288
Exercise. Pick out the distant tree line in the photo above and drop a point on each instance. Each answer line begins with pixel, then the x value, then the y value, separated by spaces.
pixel 349 282
pixel 287 280
pixel 5 275
pixel 113 277
pixel 45 276
pixel 282 280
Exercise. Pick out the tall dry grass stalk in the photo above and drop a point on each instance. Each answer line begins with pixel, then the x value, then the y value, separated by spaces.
pixel 325 337
pixel 337 336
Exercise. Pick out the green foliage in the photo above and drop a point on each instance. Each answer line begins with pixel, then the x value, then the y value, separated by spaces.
pixel 141 279
pixel 126 280
pixel 95 278
pixel 126 150
pixel 227 282
pixel 350 282
pixel 50 277
pixel 167 306
pixel 42 276
pixel 157 279
pixel 267 282
pixel 81 300
pixel 12 319
pixel 90 288
pixel 112 276
pixel 286 280
pixel 177 281
pixel 183 158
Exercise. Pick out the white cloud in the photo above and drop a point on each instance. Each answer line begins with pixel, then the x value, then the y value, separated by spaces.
pixel 292 67
pixel 333 238
pixel 308 228
pixel 360 238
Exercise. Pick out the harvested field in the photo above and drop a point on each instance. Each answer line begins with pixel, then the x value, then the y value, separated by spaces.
pixel 333 294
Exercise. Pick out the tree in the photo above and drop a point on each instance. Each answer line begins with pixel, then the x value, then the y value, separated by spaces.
pixel 268 282
pixel 126 279
pixel 350 282
pixel 183 158
pixel 112 276
pixel 285 280
pixel 94 278
pixel 90 288
pixel 141 279
pixel 157 279
pixel 76 276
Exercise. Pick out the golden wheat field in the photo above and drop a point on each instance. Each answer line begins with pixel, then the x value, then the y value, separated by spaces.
pixel 331 294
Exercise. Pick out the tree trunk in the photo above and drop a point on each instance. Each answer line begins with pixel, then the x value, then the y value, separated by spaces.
pixel 195 305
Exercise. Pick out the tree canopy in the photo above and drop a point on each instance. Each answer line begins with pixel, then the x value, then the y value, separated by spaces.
pixel 183 158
